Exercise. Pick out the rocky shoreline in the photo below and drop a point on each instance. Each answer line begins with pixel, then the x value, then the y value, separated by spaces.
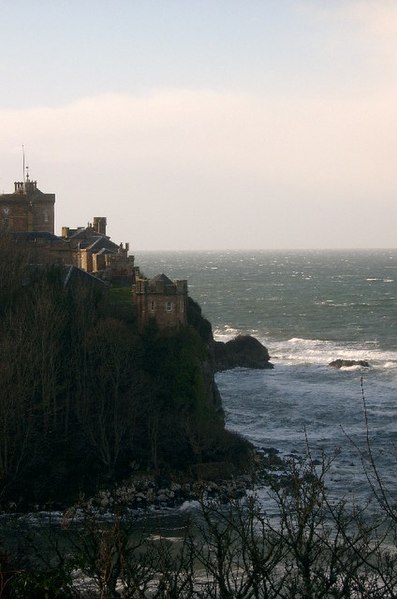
pixel 147 493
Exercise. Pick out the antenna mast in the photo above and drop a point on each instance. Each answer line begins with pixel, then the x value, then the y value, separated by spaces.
pixel 23 163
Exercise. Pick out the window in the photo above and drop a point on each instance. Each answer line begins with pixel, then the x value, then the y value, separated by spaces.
pixel 153 306
pixel 168 306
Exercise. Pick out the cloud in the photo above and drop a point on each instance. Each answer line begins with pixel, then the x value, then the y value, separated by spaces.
pixel 174 153
pixel 206 129
pixel 376 20
pixel 376 16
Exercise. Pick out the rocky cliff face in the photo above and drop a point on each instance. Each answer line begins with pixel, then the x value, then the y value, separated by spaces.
pixel 213 396
pixel 244 351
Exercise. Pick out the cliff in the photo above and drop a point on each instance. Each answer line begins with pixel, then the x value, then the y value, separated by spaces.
pixel 244 351
pixel 89 399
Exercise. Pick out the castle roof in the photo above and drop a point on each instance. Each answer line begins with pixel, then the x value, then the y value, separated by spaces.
pixel 88 238
pixel 102 242
pixel 74 275
pixel 81 232
pixel 35 235
pixel 163 278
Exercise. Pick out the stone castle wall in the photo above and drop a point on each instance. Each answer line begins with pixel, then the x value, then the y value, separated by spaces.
pixel 164 302
pixel 27 209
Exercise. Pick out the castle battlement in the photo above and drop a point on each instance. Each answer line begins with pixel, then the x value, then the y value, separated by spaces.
pixel 160 299
pixel 27 209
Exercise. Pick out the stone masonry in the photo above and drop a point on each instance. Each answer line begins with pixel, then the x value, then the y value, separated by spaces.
pixel 27 209
pixel 160 299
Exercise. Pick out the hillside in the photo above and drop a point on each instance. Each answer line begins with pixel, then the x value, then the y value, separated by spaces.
pixel 87 399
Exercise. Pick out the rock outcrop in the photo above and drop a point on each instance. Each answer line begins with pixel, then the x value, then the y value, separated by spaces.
pixel 243 351
pixel 348 363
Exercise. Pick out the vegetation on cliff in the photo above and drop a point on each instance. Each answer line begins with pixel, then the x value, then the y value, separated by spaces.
pixel 87 399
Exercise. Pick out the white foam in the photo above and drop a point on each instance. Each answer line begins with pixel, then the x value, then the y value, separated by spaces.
pixel 390 364
pixel 352 368
pixel 300 340
pixel 321 352
pixel 189 506
pixel 226 334
pixel 159 538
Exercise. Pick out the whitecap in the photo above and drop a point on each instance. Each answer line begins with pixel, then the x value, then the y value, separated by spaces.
pixel 320 352
pixel 294 340
pixel 159 538
pixel 226 334
pixel 389 365
pixel 189 506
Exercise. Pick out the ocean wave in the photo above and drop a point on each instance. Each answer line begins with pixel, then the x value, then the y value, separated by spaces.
pixel 297 350
pixel 301 340
pixel 373 279
pixel 159 538
pixel 391 365
pixel 226 333
pixel 190 506
pixel 292 405
pixel 332 304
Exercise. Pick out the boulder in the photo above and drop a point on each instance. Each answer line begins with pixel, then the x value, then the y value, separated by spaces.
pixel 348 363
pixel 243 351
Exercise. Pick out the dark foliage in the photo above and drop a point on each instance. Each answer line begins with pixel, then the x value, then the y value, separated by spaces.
pixel 84 395
pixel 196 319
pixel 307 546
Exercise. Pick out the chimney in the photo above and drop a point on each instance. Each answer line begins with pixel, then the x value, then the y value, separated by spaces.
pixel 99 225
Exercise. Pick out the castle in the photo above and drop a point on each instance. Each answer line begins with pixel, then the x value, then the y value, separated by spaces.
pixel 27 215
pixel 27 209
pixel 161 299
pixel 96 253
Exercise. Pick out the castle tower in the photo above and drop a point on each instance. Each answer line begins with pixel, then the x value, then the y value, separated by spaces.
pixel 27 209
pixel 160 299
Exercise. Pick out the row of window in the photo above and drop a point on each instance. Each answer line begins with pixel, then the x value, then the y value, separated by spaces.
pixel 6 214
pixel 169 306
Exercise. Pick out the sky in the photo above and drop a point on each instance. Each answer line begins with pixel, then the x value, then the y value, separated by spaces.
pixel 206 124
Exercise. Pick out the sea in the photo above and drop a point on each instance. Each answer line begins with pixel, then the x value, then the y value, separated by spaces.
pixel 308 308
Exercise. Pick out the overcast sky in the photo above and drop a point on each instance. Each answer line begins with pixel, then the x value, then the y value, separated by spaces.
pixel 207 124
